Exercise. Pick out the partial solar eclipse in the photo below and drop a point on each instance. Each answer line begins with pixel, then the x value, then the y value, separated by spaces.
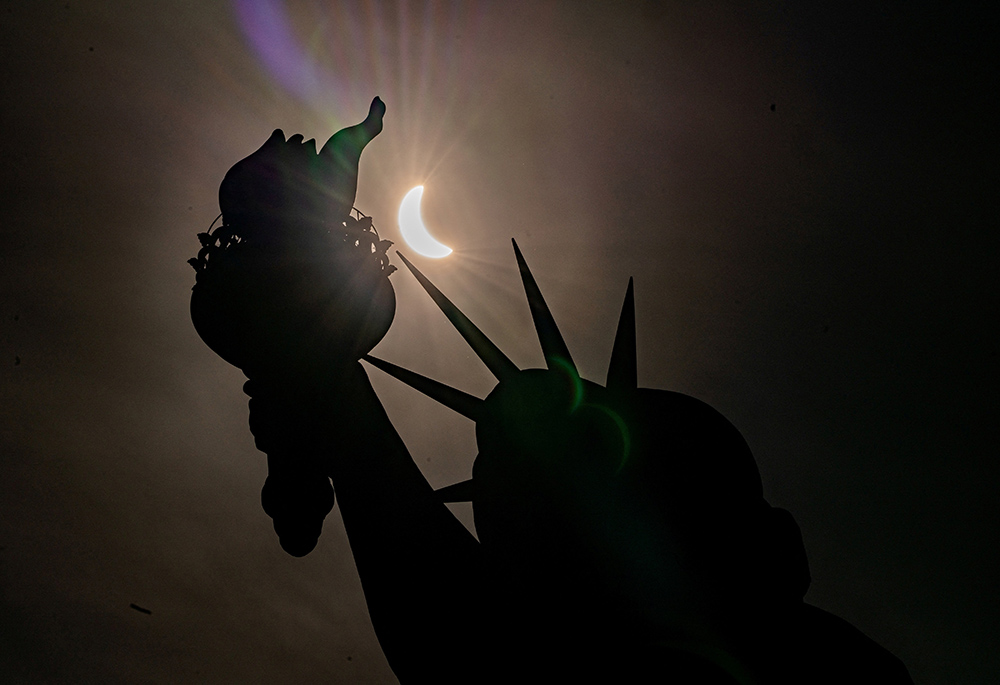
pixel 411 226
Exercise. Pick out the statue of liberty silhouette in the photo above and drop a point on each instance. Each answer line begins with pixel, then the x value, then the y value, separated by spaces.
pixel 623 532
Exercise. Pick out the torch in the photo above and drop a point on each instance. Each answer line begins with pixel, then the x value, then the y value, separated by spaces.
pixel 292 287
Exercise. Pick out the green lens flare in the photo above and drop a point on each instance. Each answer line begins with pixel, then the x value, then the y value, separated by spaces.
pixel 568 368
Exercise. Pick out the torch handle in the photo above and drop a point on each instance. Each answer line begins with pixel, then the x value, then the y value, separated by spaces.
pixel 297 494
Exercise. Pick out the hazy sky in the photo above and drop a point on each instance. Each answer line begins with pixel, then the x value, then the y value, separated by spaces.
pixel 802 196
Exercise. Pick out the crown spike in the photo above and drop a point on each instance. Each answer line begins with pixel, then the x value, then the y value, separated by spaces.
pixel 622 376
pixel 458 401
pixel 553 345
pixel 463 491
pixel 497 362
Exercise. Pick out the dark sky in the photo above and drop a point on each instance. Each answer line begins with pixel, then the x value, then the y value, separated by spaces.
pixel 804 196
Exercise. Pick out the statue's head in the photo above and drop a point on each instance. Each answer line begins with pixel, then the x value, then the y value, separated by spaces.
pixel 612 490
pixel 578 489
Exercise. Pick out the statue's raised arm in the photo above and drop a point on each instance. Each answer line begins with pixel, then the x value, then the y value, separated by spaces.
pixel 293 289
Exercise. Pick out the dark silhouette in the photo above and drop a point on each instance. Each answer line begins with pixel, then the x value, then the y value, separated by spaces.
pixel 623 531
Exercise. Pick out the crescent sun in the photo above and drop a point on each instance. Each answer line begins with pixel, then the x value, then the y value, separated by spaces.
pixel 413 230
